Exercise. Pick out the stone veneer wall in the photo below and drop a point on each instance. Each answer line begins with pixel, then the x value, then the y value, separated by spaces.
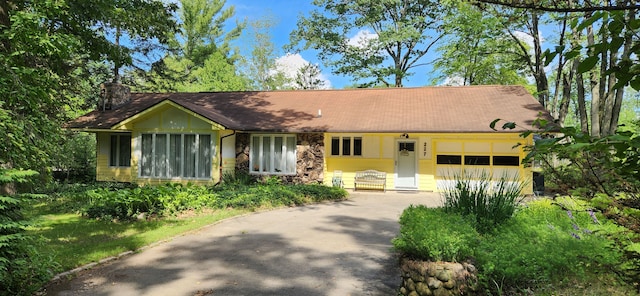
pixel 310 158
pixel 426 278
pixel 242 152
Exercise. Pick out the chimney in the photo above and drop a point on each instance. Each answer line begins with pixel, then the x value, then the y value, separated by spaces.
pixel 113 95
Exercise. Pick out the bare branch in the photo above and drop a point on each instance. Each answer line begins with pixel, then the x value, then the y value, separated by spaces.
pixel 587 6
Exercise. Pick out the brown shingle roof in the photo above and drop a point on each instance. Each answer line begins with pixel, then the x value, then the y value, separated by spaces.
pixel 425 109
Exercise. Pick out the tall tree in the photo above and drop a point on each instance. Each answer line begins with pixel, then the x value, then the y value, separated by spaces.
pixel 203 29
pixel 600 66
pixel 404 31
pixel 42 44
pixel 202 45
pixel 260 66
pixel 308 77
pixel 477 49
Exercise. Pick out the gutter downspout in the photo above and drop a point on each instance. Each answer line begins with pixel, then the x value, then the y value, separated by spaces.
pixel 220 161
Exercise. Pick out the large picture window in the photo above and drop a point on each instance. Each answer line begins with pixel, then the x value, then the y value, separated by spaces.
pixel 273 154
pixel 176 155
pixel 120 152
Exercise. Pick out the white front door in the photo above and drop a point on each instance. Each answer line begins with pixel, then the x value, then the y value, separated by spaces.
pixel 406 166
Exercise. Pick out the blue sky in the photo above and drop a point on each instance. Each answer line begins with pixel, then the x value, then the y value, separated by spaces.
pixel 286 13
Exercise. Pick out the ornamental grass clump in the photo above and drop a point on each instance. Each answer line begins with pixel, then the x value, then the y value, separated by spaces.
pixel 490 202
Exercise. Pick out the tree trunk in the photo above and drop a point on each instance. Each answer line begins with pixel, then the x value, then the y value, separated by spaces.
pixel 580 90
pixel 626 52
pixel 542 84
pixel 609 99
pixel 567 79
pixel 595 91
pixel 582 104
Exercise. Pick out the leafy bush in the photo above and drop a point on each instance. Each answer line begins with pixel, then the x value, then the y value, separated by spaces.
pixel 124 204
pixel 490 202
pixel 544 242
pixel 317 192
pixel 433 234
pixel 127 204
pixel 22 269
pixel 237 178
pixel 577 160
pixel 75 161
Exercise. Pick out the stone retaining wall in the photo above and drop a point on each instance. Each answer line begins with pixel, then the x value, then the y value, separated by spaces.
pixel 425 278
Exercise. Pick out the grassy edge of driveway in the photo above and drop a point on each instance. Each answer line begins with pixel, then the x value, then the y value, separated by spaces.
pixel 71 240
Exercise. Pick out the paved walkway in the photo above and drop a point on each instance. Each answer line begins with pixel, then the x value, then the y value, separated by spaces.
pixel 340 248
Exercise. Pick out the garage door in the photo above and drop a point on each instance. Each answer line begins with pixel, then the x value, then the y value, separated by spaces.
pixel 476 160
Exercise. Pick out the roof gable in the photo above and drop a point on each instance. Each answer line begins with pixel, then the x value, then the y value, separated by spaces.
pixel 160 109
pixel 426 109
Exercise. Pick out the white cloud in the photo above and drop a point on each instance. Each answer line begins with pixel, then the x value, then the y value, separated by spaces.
pixel 290 64
pixel 453 81
pixel 362 39
pixel 527 38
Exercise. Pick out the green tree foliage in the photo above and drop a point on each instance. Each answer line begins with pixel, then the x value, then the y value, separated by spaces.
pixel 596 57
pixel 42 46
pixel 260 67
pixel 76 159
pixel 404 32
pixel 477 49
pixel 577 160
pixel 201 57
pixel 202 29
pixel 308 77
pixel 22 269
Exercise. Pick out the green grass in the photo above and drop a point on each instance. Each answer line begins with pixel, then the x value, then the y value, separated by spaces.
pixel 549 247
pixel 72 240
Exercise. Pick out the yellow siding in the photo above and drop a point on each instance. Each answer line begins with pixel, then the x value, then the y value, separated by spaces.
pixel 103 171
pixel 350 165
pixel 165 119
pixel 428 146
pixel 426 178
pixel 228 165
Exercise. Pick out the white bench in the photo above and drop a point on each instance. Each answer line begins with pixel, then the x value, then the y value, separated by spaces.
pixel 370 179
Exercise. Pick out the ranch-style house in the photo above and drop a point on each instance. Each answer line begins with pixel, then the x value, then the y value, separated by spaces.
pixel 418 137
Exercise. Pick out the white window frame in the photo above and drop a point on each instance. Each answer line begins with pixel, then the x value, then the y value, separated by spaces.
pixel 351 146
pixel 259 163
pixel 181 174
pixel 118 154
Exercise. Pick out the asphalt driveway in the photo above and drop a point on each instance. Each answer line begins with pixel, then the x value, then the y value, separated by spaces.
pixel 340 248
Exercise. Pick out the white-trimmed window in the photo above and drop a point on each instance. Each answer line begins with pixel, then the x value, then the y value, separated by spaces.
pixel 120 150
pixel 176 156
pixel 273 154
pixel 346 146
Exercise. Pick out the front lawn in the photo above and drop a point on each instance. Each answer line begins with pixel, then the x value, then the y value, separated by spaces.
pixel 79 224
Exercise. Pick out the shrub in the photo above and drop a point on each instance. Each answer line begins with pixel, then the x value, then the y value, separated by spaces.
pixel 22 269
pixel 317 192
pixel 543 243
pixel 127 204
pixel 433 234
pixel 123 204
pixel 489 201
pixel 237 178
